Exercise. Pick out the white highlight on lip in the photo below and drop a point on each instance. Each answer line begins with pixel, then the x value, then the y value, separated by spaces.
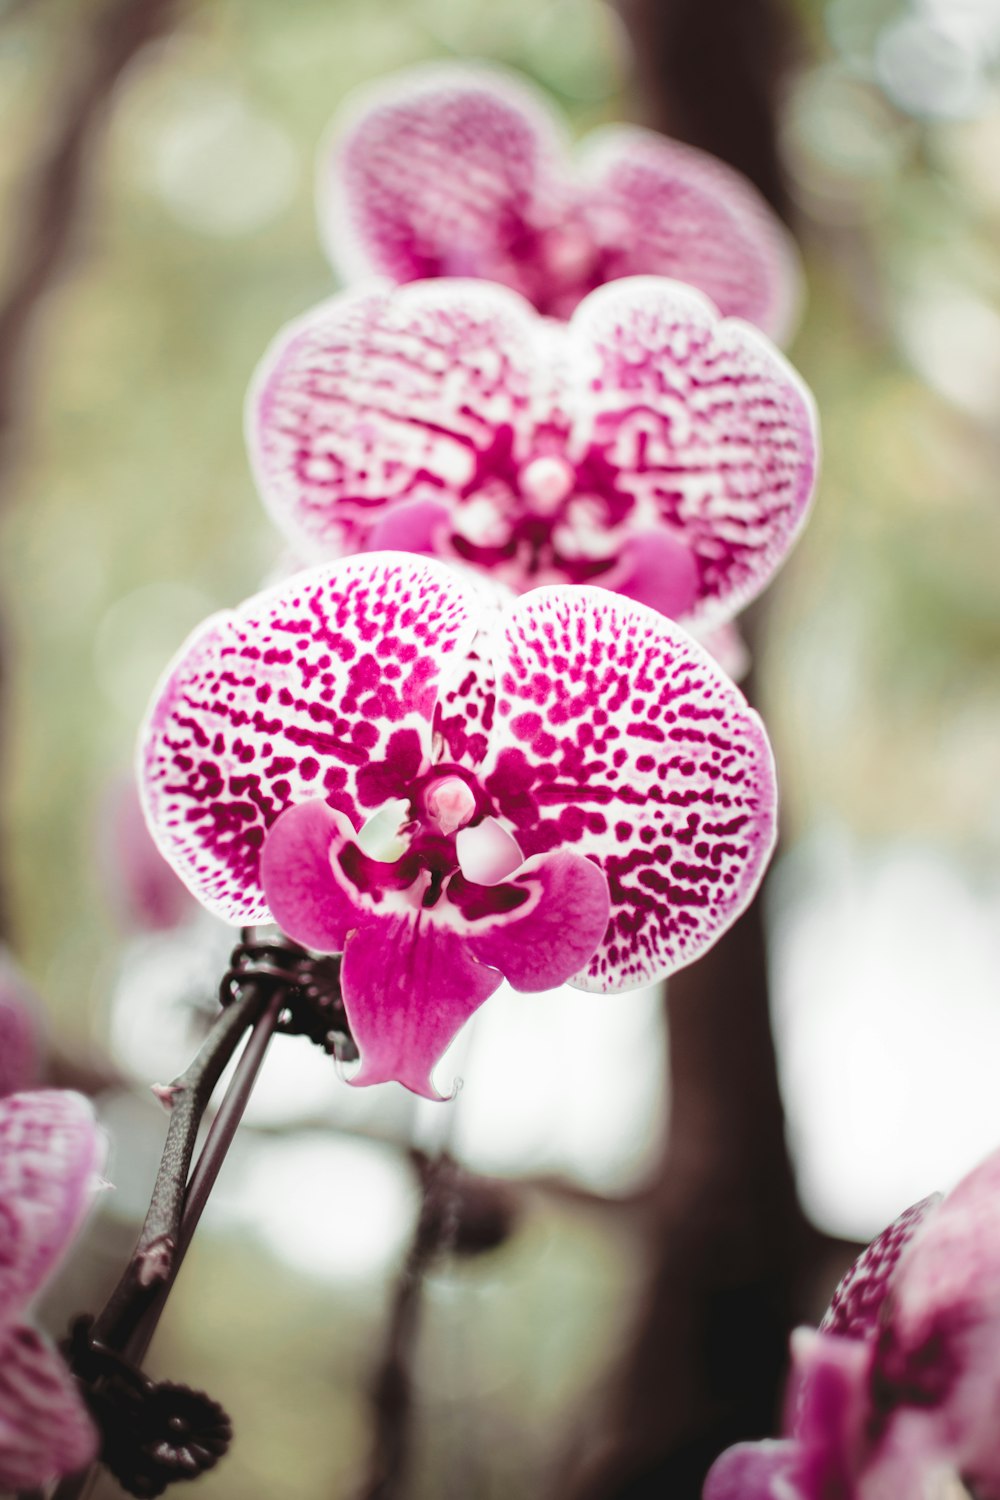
pixel 487 853
pixel 380 837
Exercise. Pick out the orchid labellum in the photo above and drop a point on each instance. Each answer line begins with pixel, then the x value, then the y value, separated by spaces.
pixel 387 766
pixel 463 171
pixel 897 1393
pixel 648 446
pixel 50 1153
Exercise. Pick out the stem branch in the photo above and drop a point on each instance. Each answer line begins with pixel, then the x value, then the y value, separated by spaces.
pixel 158 1250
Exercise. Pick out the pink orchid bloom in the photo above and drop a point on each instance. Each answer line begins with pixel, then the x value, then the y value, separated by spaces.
pixel 387 766
pixel 647 446
pixel 896 1396
pixel 20 1042
pixel 464 171
pixel 51 1151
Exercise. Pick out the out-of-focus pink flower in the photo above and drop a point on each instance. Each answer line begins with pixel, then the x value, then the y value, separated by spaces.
pixel 143 888
pixel 896 1396
pixel 19 1030
pixel 647 446
pixel 463 171
pixel 386 766
pixel 50 1154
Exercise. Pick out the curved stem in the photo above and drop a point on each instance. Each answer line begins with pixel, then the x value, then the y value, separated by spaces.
pixel 220 1138
pixel 156 1254
pixel 129 1320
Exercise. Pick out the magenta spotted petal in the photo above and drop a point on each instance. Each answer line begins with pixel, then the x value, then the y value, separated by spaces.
pixel 856 1305
pixel 462 171
pixel 620 737
pixel 45 1429
pixel 897 1394
pixel 566 789
pixel 289 699
pixel 50 1153
pixel 648 446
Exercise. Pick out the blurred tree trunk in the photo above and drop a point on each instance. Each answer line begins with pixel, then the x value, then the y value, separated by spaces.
pixel 48 210
pixel 731 1256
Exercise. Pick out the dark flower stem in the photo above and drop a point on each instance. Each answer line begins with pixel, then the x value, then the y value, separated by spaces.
pixel 133 1311
pixel 220 1138
pixel 158 1251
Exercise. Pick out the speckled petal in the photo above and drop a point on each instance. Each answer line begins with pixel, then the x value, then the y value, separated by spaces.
pixel 656 207
pixel 390 401
pixel 288 699
pixel 440 171
pixel 939 1355
pixel 709 430
pixel 464 719
pixel 856 1305
pixel 409 985
pixel 45 1429
pixel 618 736
pixel 50 1153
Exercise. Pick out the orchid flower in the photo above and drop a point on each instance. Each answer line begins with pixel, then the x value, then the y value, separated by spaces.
pixel 385 764
pixel 463 171
pixel 648 446
pixel 896 1396
pixel 50 1153
pixel 19 1030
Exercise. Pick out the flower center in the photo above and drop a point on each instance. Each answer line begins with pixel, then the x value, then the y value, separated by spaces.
pixel 545 482
pixel 450 804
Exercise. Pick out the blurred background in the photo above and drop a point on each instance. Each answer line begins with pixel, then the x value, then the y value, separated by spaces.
pixel 156 228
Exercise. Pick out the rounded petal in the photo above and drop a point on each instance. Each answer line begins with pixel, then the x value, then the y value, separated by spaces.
pixel 45 1429
pixel 617 735
pixel 51 1150
pixel 287 699
pixel 656 207
pixel 543 943
pixel 756 1471
pixel 660 570
pixel 856 1305
pixel 440 171
pixel 409 985
pixel 939 1356
pixel 298 873
pixel 830 1399
pixel 386 400
pixel 706 426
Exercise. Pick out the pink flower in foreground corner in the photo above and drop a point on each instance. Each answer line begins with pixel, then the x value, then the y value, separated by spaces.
pixel 464 171
pixel 648 446
pixel 896 1396
pixel 384 765
pixel 51 1151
